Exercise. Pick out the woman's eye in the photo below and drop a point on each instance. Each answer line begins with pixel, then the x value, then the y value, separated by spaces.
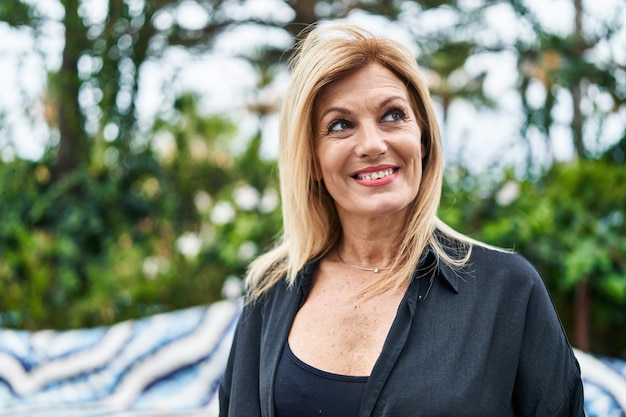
pixel 339 126
pixel 394 115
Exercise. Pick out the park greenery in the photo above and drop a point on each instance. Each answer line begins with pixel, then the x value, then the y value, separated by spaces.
pixel 120 218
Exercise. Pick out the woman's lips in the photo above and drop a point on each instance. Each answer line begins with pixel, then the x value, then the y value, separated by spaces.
pixel 377 176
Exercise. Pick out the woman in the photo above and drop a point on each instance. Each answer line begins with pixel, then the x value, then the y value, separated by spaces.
pixel 370 305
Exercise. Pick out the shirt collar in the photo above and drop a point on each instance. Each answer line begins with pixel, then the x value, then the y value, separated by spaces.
pixel 430 261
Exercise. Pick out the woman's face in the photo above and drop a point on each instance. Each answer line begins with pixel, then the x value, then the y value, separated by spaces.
pixel 368 143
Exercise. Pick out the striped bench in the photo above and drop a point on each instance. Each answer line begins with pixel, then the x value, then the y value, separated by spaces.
pixel 169 365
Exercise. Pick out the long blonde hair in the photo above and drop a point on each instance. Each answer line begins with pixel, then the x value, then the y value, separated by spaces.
pixel 311 227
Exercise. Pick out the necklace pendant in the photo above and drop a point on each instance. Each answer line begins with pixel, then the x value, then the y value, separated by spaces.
pixel 376 270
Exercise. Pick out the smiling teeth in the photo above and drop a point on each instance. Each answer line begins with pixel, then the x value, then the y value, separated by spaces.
pixel 375 175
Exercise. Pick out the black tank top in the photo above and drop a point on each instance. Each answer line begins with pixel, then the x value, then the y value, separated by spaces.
pixel 304 391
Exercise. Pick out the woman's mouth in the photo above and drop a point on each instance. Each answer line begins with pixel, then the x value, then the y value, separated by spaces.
pixel 376 175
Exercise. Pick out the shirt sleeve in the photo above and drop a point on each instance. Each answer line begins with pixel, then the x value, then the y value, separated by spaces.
pixel 227 378
pixel 239 388
pixel 548 381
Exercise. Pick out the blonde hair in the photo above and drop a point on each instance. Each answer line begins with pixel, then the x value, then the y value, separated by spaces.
pixel 311 227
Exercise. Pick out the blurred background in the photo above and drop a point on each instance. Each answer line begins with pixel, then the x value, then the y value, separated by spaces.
pixel 138 142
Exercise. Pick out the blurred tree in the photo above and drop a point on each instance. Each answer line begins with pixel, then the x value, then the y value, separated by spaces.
pixel 89 250
pixel 101 214
pixel 579 68
pixel 572 66
pixel 92 98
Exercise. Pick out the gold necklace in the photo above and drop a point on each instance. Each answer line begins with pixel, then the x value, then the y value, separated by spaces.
pixel 361 268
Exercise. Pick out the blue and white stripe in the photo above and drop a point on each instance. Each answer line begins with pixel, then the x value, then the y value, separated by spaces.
pixel 169 365
pixel 165 365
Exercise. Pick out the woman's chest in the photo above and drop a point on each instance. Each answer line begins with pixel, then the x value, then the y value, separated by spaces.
pixel 343 336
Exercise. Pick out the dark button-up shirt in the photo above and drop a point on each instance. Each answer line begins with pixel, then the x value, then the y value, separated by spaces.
pixel 484 340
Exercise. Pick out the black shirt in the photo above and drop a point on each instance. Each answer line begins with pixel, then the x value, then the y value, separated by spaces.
pixel 486 341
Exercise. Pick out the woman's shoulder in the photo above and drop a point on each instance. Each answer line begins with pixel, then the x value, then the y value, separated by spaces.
pixel 492 257
pixel 474 259
pixel 470 258
pixel 503 267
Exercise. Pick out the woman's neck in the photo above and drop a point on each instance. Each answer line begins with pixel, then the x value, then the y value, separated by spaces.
pixel 369 242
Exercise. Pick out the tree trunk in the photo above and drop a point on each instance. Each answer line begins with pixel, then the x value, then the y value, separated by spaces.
pixel 305 15
pixel 581 306
pixel 583 293
pixel 578 119
pixel 73 149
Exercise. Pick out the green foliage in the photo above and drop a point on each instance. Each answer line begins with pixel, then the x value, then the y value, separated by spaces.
pixel 139 236
pixel 16 13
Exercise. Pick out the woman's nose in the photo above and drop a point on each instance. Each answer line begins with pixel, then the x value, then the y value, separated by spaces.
pixel 370 141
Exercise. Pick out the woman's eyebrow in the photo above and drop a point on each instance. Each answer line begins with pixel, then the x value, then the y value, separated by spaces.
pixel 340 110
pixel 343 110
pixel 388 100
